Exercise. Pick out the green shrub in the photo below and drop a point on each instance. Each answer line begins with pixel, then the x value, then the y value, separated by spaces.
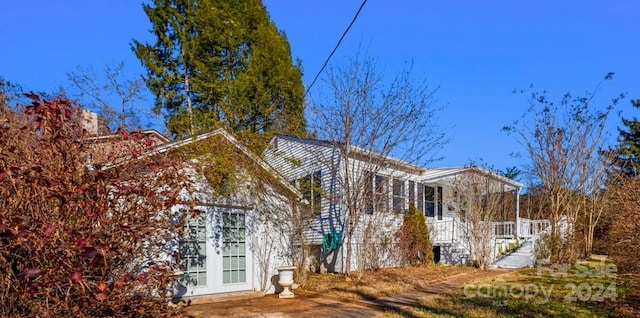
pixel 414 242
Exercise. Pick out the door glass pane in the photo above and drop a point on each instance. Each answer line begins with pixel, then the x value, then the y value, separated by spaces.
pixel 226 263
pixel 226 277
pixel 234 248
pixel 193 252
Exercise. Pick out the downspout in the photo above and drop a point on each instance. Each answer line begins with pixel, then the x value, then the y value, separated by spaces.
pixel 517 193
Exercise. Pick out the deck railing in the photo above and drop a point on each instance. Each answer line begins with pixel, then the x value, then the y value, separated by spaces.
pixel 503 229
pixel 452 230
pixel 532 228
pixel 445 231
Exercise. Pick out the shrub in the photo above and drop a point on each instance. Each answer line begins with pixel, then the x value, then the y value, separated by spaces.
pixel 414 242
pixel 624 231
pixel 73 239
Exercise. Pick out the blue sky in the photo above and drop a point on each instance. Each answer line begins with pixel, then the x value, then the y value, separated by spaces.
pixel 478 52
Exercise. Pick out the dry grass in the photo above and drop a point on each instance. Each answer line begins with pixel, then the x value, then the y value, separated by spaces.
pixel 496 298
pixel 473 301
pixel 383 282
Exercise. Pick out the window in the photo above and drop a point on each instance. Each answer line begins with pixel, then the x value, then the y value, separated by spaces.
pixel 398 196
pixel 433 201
pixel 382 193
pixel 367 193
pixel 429 200
pixel 311 187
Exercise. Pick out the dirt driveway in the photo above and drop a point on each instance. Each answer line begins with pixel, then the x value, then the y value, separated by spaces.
pixel 312 305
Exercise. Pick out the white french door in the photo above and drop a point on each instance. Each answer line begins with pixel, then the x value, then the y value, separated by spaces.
pixel 233 265
pixel 215 255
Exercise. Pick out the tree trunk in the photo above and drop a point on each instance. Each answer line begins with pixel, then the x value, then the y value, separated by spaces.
pixel 351 216
pixel 189 107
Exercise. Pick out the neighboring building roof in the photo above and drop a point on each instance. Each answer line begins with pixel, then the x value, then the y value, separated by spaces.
pixel 218 132
pixel 108 148
pixel 151 133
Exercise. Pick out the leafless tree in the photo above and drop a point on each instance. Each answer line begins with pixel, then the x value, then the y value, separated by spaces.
pixel 564 140
pixel 370 120
pixel 110 93
pixel 479 200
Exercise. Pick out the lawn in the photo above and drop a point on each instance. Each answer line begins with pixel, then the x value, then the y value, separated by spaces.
pixel 384 282
pixel 583 289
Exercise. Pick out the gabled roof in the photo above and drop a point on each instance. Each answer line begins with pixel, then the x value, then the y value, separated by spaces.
pixel 218 132
pixel 427 175
pixel 151 133
pixel 435 175
pixel 357 153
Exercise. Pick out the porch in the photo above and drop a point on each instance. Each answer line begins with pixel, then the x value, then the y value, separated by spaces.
pixel 454 231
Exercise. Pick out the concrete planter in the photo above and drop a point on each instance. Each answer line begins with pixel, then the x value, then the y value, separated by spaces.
pixel 285 274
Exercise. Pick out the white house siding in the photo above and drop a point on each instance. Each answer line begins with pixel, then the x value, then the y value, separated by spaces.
pixel 297 157
pixel 233 242
pixel 271 239
pixel 378 248
pixel 294 159
pixel 254 257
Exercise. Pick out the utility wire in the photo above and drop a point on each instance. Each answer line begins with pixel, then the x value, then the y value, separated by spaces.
pixel 334 49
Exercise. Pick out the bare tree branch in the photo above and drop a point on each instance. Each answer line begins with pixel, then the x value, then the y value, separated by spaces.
pixel 371 121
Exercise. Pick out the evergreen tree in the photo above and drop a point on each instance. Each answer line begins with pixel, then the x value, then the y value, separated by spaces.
pixel 169 61
pixel 414 242
pixel 230 60
pixel 626 156
pixel 512 173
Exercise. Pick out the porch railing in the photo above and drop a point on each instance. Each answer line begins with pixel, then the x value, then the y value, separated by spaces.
pixel 452 230
pixel 446 231
pixel 503 229
pixel 526 229
pixel 532 228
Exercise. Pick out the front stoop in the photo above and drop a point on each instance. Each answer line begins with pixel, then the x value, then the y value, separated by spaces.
pixel 215 298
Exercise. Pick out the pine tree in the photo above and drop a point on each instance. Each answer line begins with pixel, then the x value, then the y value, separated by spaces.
pixel 626 156
pixel 230 61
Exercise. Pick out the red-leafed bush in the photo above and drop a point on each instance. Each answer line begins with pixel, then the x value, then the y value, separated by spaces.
pixel 76 238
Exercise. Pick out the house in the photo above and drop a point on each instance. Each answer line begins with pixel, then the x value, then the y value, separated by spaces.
pixel 238 213
pixel 340 182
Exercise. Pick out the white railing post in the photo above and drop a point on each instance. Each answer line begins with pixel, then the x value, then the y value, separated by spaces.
pixel 517 232
pixel 453 231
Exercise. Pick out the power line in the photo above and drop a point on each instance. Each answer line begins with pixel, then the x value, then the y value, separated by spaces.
pixel 334 49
